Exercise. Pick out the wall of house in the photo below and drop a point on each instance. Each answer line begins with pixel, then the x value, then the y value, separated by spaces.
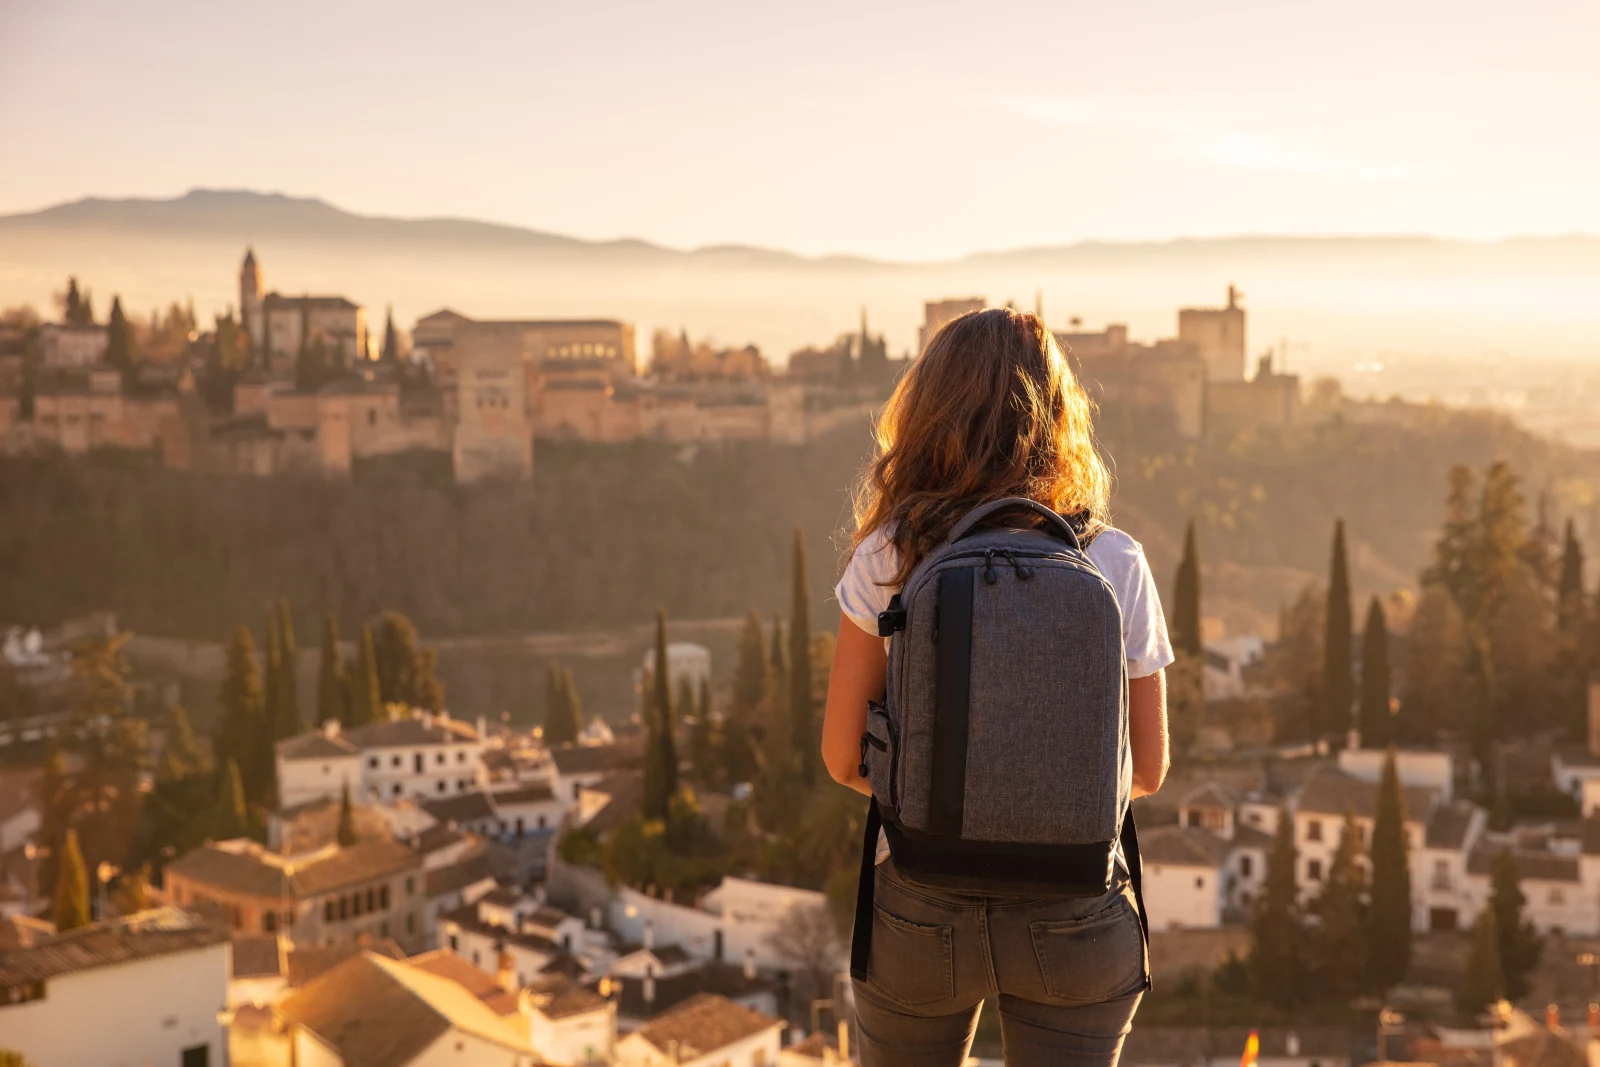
pixel 391 772
pixel 1179 896
pixel 303 780
pixel 453 1048
pixel 575 1040
pixel 128 1015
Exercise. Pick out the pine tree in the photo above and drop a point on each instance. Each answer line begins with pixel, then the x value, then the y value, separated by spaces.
pixel 241 732
pixel 752 678
pixel 365 702
pixel 1185 629
pixel 1340 941
pixel 661 760
pixel 331 684
pixel 122 350
pixel 347 818
pixel 1519 943
pixel 1377 724
pixel 72 886
pixel 1389 949
pixel 802 710
pixel 286 723
pixel 1337 686
pixel 1277 953
pixel 1483 981
pixel 231 816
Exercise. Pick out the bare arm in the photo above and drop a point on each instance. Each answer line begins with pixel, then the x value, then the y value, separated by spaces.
pixel 1147 731
pixel 859 662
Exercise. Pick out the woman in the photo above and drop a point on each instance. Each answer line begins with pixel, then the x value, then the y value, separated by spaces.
pixel 991 410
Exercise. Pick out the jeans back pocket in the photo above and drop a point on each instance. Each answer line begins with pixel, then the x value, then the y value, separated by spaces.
pixel 911 964
pixel 1094 959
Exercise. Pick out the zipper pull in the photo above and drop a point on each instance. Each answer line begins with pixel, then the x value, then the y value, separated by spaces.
pixel 990 575
pixel 1023 572
pixel 862 770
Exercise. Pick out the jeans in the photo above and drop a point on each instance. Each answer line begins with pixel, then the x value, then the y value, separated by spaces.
pixel 1068 972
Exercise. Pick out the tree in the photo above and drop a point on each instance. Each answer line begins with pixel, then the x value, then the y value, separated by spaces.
pixel 181 755
pixel 1433 689
pixel 407 672
pixel 807 940
pixel 1295 664
pixel 1184 627
pixel 122 347
pixel 563 712
pixel 802 708
pixel 1277 952
pixel 72 886
pixel 1341 948
pixel 705 743
pixel 286 721
pixel 230 816
pixel 331 684
pixel 1483 981
pixel 133 892
pixel 391 341
pixel 77 308
pixel 661 758
pixel 752 678
pixel 1569 586
pixel 1338 689
pixel 347 818
pixel 1389 947
pixel 1377 724
pixel 57 809
pixel 241 731
pixel 1519 943
pixel 365 703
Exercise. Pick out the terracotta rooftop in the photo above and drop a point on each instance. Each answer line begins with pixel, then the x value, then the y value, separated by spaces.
pixel 144 935
pixel 460 808
pixel 703 1024
pixel 556 996
pixel 253 871
pixel 1330 791
pixel 1183 846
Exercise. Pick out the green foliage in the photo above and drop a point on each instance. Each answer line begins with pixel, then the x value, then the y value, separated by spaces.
pixel 1376 721
pixel 1483 981
pixel 332 686
pixel 1569 586
pixel 752 678
pixel 286 717
pixel 346 834
pixel 1340 941
pixel 242 731
pixel 1389 930
pixel 563 710
pixel 77 307
pixel 122 347
pixel 407 672
pixel 580 846
pixel 1338 688
pixel 230 816
pixel 181 755
pixel 1277 963
pixel 1296 664
pixel 71 905
pixel 660 753
pixel 1184 627
pixel 706 743
pixel 674 857
pixel 1519 944
pixel 802 707
pixel 1435 666
pixel 364 703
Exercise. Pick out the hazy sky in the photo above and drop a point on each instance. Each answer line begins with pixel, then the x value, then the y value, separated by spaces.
pixel 904 129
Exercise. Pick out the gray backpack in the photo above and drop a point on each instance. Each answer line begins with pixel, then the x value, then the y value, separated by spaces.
pixel 999 760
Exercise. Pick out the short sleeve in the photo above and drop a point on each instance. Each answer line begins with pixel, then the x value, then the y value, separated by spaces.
pixel 1144 625
pixel 860 592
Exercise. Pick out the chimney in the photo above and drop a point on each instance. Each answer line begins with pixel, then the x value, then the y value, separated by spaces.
pixel 538 895
pixel 483 727
pixel 649 934
pixel 427 719
pixel 1594 716
pixel 749 965
pixel 594 917
pixel 844 1040
pixel 331 727
pixel 1594 1021
pixel 507 974
pixel 650 986
pixel 1552 1016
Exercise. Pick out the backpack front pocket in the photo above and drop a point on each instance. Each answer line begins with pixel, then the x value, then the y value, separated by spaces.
pixel 880 757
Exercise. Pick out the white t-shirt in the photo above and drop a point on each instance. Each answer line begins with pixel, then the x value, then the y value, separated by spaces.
pixel 1118 556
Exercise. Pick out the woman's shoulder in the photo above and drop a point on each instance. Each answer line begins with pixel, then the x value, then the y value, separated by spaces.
pixel 1112 543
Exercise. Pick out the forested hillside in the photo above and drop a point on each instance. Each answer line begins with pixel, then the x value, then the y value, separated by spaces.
pixel 602 535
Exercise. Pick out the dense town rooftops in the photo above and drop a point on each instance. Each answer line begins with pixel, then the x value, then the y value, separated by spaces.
pixel 722 979
pixel 463 807
pixel 316 745
pixel 248 869
pixel 1209 795
pixel 307 963
pixel 1540 866
pixel 1330 791
pixel 143 935
pixel 259 957
pixel 480 983
pixel 469 870
pixel 379 1012
pixel 1449 826
pixel 556 996
pixel 467 919
pixel 702 1025
pixel 591 759
pixel 1183 846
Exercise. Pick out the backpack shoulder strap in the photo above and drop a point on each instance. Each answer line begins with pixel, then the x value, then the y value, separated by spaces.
pixel 861 937
pixel 1129 841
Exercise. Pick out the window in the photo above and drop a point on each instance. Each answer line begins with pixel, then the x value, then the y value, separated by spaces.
pixel 1314 870
pixel 454 942
pixel 372 416
pixel 1245 866
pixel 1558 897
pixel 461 757
pixel 474 955
pixel 383 898
pixel 344 907
pixel 416 763
pixel 355 904
pixel 443 785
pixel 269 922
pixel 411 885
pixel 395 789
pixel 1199 881
pixel 372 900
pixel 394 761
pixel 373 762
pixel 196 1056
pixel 411 928
pixel 541 822
pixel 1441 874
pixel 1314 830
pixel 439 758
pixel 327 910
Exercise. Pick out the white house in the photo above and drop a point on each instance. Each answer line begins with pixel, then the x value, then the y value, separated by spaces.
pixel 706 1031
pixel 527 807
pixel 1422 768
pixel 1225 662
pixel 148 988
pixel 1184 877
pixel 578 767
pixel 1326 798
pixel 733 922
pixel 569 1025
pixel 316 766
pixel 427 754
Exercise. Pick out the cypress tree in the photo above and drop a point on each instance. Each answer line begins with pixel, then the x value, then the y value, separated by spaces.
pixel 683 706
pixel 1341 945
pixel 1337 685
pixel 58 805
pixel 1185 627
pixel 347 818
pixel 752 678
pixel 331 684
pixel 72 305
pixel 1377 724
pixel 272 676
pixel 121 345
pixel 72 886
pixel 240 730
pixel 574 702
pixel 1483 981
pixel 704 744
pixel 365 703
pixel 407 672
pixel 286 723
pixel 391 341
pixel 1277 957
pixel 661 759
pixel 1569 587
pixel 1519 943
pixel 1389 948
pixel 231 817
pixel 780 664
pixel 182 755
pixel 802 710
pixel 563 715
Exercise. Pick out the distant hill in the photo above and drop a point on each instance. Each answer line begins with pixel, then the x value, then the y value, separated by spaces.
pixel 1335 298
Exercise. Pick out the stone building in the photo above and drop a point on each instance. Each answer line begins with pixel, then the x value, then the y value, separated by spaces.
pixel 277 323
pixel 1218 337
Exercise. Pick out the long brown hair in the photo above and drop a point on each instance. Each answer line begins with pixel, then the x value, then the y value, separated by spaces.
pixel 990 410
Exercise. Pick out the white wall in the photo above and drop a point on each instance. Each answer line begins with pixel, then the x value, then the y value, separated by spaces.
pixel 456 1048
pixel 303 780
pixel 129 1015
pixel 754 1051
pixel 576 1039
pixel 463 762
pixel 1180 896
pixel 1429 770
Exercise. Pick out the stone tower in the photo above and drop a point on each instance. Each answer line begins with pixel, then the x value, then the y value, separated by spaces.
pixel 250 291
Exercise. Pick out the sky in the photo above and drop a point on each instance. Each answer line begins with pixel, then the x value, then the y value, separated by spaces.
pixel 907 130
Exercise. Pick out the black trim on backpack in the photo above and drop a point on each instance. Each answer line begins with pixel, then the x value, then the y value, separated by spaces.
pixel 861 936
pixel 893 618
pixel 1129 839
pixel 947 774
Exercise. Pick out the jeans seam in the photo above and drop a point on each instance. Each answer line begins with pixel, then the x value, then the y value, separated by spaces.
pixel 988 951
